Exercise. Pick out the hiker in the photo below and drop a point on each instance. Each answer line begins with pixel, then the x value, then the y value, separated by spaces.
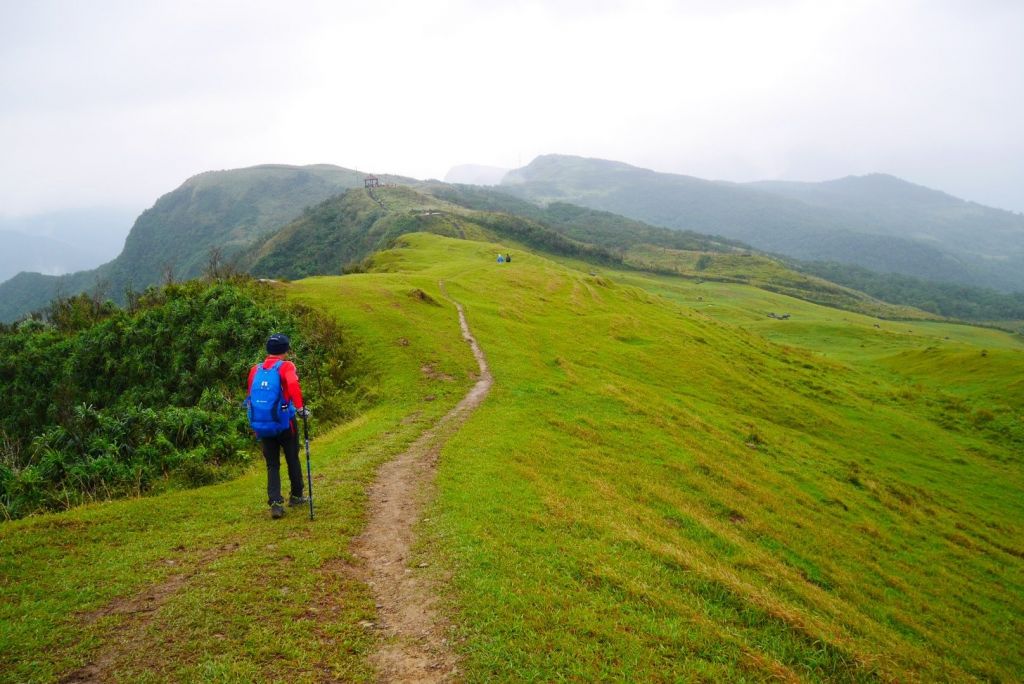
pixel 501 259
pixel 508 258
pixel 273 420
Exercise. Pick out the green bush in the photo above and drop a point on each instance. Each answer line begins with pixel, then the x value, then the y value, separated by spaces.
pixel 103 402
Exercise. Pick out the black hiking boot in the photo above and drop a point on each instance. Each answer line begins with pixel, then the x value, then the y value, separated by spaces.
pixel 297 500
pixel 277 510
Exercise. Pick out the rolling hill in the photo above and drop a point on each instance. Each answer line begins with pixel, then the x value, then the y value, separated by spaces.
pixel 226 210
pixel 686 469
pixel 336 235
pixel 267 220
pixel 664 484
pixel 878 222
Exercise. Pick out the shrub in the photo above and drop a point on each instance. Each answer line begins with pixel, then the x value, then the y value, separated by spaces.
pixel 105 402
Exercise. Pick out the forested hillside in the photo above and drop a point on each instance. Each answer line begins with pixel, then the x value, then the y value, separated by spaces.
pixel 879 223
pixel 601 228
pixel 218 210
pixel 945 299
pixel 339 233
pixel 891 206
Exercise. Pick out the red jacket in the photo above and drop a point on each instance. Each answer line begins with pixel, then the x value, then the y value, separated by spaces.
pixel 290 390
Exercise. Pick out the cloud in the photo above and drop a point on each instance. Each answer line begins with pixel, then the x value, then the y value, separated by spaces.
pixel 117 102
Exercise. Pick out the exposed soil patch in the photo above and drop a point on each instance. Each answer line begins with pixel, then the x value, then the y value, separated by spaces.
pixel 413 644
pixel 125 639
pixel 430 370
pixel 423 297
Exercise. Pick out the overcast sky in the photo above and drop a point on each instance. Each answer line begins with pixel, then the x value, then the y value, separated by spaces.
pixel 116 103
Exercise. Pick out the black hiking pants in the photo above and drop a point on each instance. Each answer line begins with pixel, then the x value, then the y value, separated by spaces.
pixel 287 441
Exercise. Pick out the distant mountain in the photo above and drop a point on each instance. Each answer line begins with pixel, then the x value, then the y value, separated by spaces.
pixel 878 222
pixel 601 228
pixel 23 252
pixel 891 206
pixel 291 222
pixel 62 241
pixel 227 210
pixel 474 174
pixel 98 231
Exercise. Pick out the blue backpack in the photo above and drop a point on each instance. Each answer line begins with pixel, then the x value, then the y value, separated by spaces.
pixel 268 415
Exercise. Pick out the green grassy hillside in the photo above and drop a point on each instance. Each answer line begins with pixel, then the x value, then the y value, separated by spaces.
pixel 343 230
pixel 337 234
pixel 635 240
pixel 660 487
pixel 946 299
pixel 580 223
pixel 197 585
pixel 765 273
pixel 663 485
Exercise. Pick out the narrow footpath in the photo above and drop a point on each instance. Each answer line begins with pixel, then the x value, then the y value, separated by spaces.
pixel 413 633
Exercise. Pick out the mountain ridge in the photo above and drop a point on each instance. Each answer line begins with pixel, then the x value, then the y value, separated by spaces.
pixel 230 215
pixel 222 210
pixel 798 220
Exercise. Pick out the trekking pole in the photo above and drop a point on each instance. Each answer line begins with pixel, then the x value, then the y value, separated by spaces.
pixel 309 473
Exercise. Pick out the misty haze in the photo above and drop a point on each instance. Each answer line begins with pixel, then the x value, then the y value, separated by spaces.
pixel 648 341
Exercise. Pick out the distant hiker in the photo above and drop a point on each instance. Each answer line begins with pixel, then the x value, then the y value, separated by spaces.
pixel 274 399
pixel 501 259
pixel 508 258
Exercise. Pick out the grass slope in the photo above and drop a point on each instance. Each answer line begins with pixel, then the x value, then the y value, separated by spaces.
pixel 765 273
pixel 237 598
pixel 639 242
pixel 663 485
pixel 336 235
pixel 655 493
pixel 601 228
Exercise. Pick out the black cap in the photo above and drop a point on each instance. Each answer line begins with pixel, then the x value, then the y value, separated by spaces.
pixel 278 343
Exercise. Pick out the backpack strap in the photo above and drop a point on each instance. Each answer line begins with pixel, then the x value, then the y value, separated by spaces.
pixel 280 386
pixel 276 408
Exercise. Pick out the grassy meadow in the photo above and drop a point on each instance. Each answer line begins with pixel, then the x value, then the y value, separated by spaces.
pixel 667 484
pixel 664 484
pixel 201 585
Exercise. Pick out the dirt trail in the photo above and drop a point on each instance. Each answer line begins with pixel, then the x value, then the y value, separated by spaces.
pixel 413 645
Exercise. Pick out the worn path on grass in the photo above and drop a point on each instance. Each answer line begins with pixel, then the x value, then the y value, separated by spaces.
pixel 413 644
